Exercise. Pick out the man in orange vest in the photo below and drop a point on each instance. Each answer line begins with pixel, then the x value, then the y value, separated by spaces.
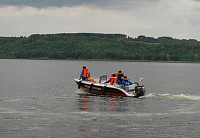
pixel 113 80
pixel 85 74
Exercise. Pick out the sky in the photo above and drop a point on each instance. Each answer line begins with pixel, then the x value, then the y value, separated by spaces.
pixel 153 18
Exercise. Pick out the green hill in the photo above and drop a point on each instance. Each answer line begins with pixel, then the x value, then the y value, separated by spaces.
pixel 99 46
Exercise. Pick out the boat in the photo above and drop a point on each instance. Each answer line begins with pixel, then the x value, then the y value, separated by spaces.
pixel 99 87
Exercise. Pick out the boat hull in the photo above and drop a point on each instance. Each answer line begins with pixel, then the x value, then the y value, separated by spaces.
pixel 104 89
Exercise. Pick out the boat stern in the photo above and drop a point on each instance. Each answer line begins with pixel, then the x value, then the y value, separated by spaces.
pixel 140 91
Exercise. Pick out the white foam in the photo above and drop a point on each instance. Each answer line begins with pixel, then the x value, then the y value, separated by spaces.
pixel 175 96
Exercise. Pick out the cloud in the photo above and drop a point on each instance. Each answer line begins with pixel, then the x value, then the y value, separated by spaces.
pixel 73 3
pixel 179 18
pixel 28 20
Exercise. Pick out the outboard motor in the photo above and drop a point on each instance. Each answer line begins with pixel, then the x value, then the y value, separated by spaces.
pixel 140 90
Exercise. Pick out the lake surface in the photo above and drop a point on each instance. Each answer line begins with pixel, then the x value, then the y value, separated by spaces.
pixel 39 99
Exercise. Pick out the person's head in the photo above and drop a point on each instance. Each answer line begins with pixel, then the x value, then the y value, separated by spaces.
pixel 113 75
pixel 84 67
pixel 120 73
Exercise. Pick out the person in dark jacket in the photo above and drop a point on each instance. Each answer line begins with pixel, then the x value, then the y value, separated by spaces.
pixel 85 74
pixel 120 76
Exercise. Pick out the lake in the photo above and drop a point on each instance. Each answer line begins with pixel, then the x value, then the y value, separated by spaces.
pixel 39 99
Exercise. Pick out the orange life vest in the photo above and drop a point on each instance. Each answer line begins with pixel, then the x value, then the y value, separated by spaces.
pixel 86 73
pixel 126 79
pixel 113 80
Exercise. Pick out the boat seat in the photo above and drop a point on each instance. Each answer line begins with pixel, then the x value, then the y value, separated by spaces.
pixel 129 88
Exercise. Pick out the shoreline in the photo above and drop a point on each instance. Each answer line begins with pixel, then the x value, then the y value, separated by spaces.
pixel 109 60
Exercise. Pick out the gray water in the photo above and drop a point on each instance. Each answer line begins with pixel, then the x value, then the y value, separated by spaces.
pixel 39 99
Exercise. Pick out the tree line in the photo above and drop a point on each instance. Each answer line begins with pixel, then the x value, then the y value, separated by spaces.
pixel 99 46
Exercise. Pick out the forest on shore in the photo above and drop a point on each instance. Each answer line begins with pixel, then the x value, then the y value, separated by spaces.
pixel 99 46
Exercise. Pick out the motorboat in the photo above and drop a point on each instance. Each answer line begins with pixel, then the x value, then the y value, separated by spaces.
pixel 100 87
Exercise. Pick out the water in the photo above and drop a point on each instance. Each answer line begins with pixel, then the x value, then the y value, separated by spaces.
pixel 39 99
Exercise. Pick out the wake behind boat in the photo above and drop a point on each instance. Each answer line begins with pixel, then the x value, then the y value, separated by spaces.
pixel 100 87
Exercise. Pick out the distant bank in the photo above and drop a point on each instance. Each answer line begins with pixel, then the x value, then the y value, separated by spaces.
pixel 94 46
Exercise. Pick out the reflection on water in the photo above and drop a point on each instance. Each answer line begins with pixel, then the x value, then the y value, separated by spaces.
pixel 113 103
pixel 88 102
pixel 85 103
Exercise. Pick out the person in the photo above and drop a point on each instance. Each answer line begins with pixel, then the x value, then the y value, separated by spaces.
pixel 85 74
pixel 113 80
pixel 126 81
pixel 120 76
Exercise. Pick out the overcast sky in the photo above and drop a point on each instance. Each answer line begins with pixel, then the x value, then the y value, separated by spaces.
pixel 176 18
